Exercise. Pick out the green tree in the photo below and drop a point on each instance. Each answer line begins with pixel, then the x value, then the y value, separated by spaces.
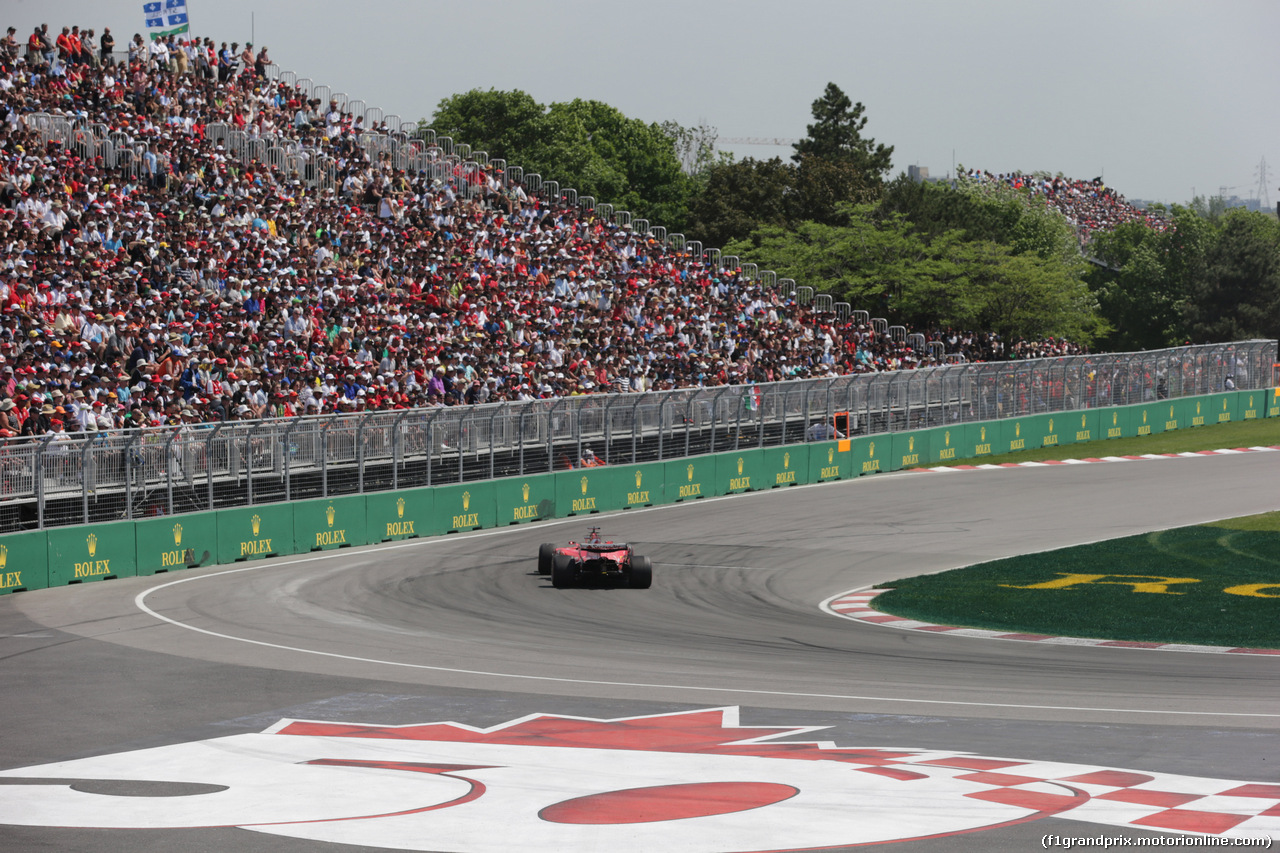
pixel 736 198
pixel 587 145
pixel 836 135
pixel 508 125
pixel 1239 295
pixel 1138 295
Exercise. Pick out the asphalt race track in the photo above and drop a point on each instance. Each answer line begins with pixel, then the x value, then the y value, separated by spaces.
pixel 148 711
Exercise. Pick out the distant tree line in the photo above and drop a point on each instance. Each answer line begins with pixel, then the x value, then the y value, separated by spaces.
pixel 957 255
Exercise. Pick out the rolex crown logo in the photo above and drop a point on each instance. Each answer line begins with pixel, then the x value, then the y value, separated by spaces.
pixel 871 449
pixel 983 433
pixel 92 541
pixel 831 455
pixel 466 500
pixel 4 556
pixel 584 484
pixel 524 492
pixel 400 508
pixel 1171 413
pixel 257 525
pixel 1197 407
pixel 689 470
pixel 1115 416
pixel 1224 404
pixel 1017 429
pixel 739 466
pixel 329 514
pixel 1050 424
pixel 786 460
pixel 911 444
pixel 1083 421
pixel 177 535
pixel 639 477
pixel 1144 416
pixel 946 438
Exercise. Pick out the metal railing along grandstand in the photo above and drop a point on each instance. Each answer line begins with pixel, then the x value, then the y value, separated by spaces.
pixel 95 477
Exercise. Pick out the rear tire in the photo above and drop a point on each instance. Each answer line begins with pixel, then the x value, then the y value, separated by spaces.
pixel 546 553
pixel 562 573
pixel 641 574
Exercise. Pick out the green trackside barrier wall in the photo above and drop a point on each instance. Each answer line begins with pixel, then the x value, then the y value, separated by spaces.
pixel 870 455
pixel 255 532
pixel 786 466
pixel 319 525
pixel 1253 405
pixel 945 443
pixel 979 441
pixel 1017 434
pixel 583 491
pixel 523 499
pixel 59 556
pixel 738 472
pixel 24 561
pixel 643 484
pixel 909 449
pixel 92 552
pixel 830 460
pixel 404 514
pixel 466 506
pixel 690 479
pixel 176 542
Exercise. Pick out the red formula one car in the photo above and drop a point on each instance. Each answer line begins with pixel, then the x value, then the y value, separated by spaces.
pixel 594 560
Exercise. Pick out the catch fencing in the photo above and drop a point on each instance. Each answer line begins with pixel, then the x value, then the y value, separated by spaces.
pixel 140 473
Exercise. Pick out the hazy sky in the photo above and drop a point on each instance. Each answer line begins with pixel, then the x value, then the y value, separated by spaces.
pixel 1159 96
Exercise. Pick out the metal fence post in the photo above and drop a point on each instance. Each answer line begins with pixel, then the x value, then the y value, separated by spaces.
pixel 395 449
pixel 84 481
pixel 324 457
pixel 169 464
pixel 364 420
pixel 287 450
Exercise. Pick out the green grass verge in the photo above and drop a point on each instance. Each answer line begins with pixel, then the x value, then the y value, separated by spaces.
pixel 1220 587
pixel 1251 433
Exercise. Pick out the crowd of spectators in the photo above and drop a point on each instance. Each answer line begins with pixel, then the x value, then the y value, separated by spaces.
pixel 1088 205
pixel 194 288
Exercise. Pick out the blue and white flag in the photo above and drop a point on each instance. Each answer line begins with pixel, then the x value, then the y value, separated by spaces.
pixel 165 17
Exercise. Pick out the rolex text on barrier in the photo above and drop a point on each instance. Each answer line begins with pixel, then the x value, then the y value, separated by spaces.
pixel 1223 408
pixel 403 514
pixel 830 460
pixel 1017 434
pixel 255 532
pixel 787 466
pixel 642 484
pixel 1148 419
pixel 92 552
pixel 530 498
pixel 1273 403
pixel 319 525
pixel 979 440
pixel 870 454
pixel 465 506
pixel 909 449
pixel 742 471
pixel 176 542
pixel 690 479
pixel 583 491
pixel 1055 430
pixel 24 561
pixel 945 443
pixel 1250 403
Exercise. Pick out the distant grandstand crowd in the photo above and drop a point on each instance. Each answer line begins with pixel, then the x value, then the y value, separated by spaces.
pixel 1088 205
pixel 190 288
